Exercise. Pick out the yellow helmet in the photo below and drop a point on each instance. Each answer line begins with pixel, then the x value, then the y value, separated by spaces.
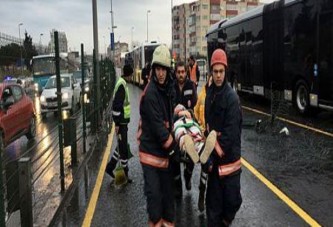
pixel 161 56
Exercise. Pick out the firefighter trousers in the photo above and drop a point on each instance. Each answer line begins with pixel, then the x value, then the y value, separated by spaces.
pixel 159 194
pixel 223 198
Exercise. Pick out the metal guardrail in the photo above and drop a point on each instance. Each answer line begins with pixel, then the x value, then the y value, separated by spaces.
pixel 19 177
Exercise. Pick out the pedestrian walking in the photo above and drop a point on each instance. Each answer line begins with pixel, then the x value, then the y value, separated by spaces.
pixel 223 114
pixel 121 111
pixel 186 95
pixel 199 113
pixel 156 143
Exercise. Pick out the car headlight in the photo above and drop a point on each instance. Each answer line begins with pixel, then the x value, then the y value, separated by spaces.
pixel 42 98
pixel 65 95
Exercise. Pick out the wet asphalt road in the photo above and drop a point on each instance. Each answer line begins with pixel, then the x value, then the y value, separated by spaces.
pixel 300 165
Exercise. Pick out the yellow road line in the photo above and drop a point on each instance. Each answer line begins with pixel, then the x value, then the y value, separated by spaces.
pixel 291 122
pixel 94 196
pixel 281 195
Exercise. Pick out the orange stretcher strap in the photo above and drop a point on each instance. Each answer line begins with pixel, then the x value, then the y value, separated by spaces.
pixel 225 170
pixel 153 160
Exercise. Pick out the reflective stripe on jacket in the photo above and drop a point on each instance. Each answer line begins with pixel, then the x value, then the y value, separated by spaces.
pixel 225 170
pixel 153 160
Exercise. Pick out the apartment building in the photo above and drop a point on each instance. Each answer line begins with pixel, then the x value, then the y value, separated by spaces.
pixel 62 39
pixel 190 22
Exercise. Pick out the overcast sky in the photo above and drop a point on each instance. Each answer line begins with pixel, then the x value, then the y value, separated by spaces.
pixel 74 17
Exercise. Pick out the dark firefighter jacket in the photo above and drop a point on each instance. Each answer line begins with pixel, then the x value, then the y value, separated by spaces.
pixel 155 127
pixel 118 106
pixel 223 114
pixel 188 96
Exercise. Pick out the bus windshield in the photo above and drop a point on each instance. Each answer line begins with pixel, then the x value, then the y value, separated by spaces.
pixel 149 50
pixel 43 66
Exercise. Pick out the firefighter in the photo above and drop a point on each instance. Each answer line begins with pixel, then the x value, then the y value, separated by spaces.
pixel 156 143
pixel 121 111
pixel 223 114
pixel 186 95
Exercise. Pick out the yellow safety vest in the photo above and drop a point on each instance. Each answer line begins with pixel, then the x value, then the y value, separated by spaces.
pixel 127 106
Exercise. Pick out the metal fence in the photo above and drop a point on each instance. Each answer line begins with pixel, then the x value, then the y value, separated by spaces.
pixel 61 149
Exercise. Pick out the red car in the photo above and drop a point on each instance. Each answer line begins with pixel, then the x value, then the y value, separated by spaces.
pixel 17 114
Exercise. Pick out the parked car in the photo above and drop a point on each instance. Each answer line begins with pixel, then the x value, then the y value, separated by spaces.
pixel 78 76
pixel 88 83
pixel 17 114
pixel 70 90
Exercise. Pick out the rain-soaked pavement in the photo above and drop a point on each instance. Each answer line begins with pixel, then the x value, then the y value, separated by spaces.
pixel 299 165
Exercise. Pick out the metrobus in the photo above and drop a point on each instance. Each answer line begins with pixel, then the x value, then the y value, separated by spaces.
pixel 43 67
pixel 138 57
pixel 286 46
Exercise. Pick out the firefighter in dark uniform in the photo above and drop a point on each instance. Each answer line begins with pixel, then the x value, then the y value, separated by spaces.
pixel 223 114
pixel 121 111
pixel 156 143
pixel 185 94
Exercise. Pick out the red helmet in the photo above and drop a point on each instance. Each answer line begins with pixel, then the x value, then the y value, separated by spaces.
pixel 219 57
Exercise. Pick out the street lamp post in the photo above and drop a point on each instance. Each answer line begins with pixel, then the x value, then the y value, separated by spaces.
pixel 112 34
pixel 40 43
pixel 132 37
pixel 148 11
pixel 19 27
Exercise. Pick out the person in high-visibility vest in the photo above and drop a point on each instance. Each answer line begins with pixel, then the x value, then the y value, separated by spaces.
pixel 193 70
pixel 199 113
pixel 121 111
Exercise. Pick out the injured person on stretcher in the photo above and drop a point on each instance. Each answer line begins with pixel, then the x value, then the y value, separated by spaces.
pixel 189 136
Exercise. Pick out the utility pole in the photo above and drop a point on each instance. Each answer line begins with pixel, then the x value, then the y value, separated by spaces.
pixel 97 76
pixel 112 36
pixel 172 26
pixel 148 11
pixel 19 27
pixel 40 43
pixel 132 37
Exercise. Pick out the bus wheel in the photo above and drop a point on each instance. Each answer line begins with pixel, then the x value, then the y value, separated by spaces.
pixel 301 100
pixel 234 86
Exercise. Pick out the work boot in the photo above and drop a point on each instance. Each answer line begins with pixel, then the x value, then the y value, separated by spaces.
pixel 190 149
pixel 208 147
pixel 187 177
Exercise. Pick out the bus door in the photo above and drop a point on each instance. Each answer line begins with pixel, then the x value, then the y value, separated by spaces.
pixel 273 47
pixel 325 57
